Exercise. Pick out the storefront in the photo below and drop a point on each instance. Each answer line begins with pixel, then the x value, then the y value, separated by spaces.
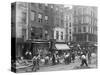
pixel 37 47
pixel 62 48
pixel 40 47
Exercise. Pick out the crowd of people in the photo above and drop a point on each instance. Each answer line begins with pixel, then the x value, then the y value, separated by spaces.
pixel 54 58
pixel 66 58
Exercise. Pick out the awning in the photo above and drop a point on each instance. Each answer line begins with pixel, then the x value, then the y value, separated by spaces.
pixel 62 46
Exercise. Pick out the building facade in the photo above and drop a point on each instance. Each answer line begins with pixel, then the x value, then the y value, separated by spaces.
pixel 59 29
pixel 18 26
pixel 40 21
pixel 36 21
pixel 68 23
pixel 85 24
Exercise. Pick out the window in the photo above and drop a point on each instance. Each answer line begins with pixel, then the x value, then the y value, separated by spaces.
pixel 40 6
pixel 46 19
pixel 46 34
pixel 70 18
pixel 76 12
pixel 76 20
pixel 79 29
pixel 57 21
pixel 57 35
pixel 91 21
pixel 51 6
pixel 90 29
pixel 69 31
pixel 56 9
pixel 93 30
pixel 61 35
pixel 70 38
pixel 46 4
pixel 39 15
pixel 61 10
pixel 62 22
pixel 75 29
pixel 84 19
pixel 66 18
pixel 24 34
pixel 79 11
pixel 70 24
pixel 32 15
pixel 84 10
pixel 33 4
pixel 84 29
pixel 36 33
pixel 91 13
pixel 87 19
pixel 24 17
pixel 40 18
pixel 81 20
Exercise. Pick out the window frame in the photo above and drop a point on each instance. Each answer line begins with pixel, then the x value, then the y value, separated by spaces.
pixel 40 17
pixel 62 35
pixel 57 35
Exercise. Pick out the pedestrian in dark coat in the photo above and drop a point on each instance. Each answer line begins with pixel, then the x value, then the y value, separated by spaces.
pixel 69 58
pixel 73 57
pixel 89 57
pixel 34 61
pixel 38 62
pixel 84 61
pixel 53 59
pixel 66 58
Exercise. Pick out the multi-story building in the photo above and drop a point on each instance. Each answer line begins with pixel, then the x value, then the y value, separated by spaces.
pixel 36 21
pixel 68 23
pixel 18 26
pixel 85 24
pixel 59 30
pixel 41 21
